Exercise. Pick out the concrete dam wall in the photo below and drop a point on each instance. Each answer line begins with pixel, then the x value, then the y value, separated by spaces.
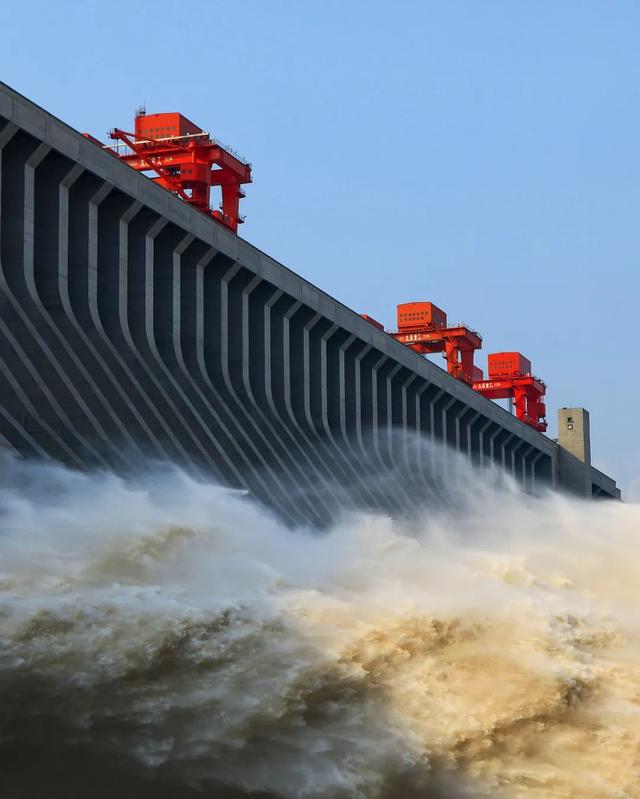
pixel 131 324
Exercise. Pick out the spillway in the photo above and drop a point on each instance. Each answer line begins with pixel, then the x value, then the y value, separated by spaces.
pixel 131 325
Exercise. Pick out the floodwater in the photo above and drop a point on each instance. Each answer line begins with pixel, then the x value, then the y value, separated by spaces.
pixel 164 637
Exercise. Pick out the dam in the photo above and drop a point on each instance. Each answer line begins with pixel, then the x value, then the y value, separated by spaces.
pixel 133 325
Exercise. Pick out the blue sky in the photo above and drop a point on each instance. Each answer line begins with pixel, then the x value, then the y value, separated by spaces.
pixel 482 155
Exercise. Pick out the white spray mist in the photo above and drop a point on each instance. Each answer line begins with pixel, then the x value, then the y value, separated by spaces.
pixel 161 636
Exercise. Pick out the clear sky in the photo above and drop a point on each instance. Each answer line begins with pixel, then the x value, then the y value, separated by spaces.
pixel 481 154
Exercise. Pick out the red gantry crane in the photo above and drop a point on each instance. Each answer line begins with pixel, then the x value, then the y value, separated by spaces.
pixel 509 377
pixel 422 326
pixel 186 161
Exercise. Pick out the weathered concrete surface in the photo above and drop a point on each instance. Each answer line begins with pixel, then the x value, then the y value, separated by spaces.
pixel 132 324
pixel 576 473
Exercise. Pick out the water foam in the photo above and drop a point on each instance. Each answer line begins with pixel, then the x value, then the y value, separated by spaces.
pixel 161 636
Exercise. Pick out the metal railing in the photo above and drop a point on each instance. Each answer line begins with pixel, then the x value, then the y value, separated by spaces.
pixel 120 148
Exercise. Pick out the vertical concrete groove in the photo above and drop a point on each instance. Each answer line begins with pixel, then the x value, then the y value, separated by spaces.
pixel 49 415
pixel 70 381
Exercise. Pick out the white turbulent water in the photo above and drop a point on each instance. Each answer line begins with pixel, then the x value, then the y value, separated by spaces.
pixel 165 634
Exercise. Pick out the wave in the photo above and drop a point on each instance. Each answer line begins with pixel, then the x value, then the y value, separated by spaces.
pixel 165 637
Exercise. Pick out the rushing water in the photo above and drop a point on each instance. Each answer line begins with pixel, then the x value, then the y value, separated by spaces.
pixel 162 637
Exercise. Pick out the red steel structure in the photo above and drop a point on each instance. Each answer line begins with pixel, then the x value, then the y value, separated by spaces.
pixel 186 162
pixel 509 377
pixel 372 321
pixel 422 326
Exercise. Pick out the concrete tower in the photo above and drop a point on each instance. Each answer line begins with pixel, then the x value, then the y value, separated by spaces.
pixel 574 438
